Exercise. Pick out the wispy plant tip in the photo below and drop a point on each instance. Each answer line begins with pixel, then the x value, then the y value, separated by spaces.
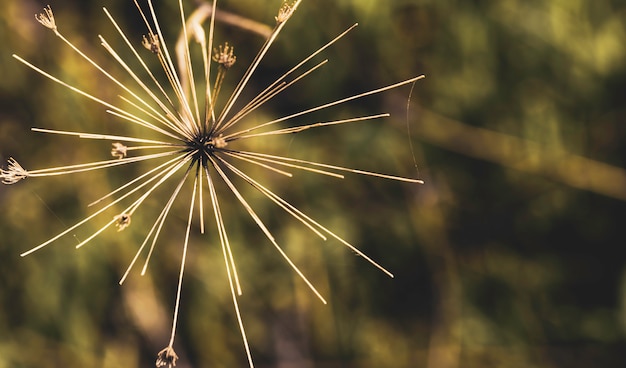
pixel 166 358
pixel 47 18
pixel 224 55
pixel 285 12
pixel 13 173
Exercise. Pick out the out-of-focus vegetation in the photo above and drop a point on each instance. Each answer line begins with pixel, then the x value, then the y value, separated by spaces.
pixel 511 255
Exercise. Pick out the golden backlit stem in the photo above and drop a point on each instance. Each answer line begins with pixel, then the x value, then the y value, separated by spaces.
pixel 325 106
pixel 255 63
pixel 299 215
pixel 263 228
pixel 228 262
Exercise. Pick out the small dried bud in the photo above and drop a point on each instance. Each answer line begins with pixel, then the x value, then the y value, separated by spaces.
pixel 119 150
pixel 13 173
pixel 151 42
pixel 166 357
pixel 218 142
pixel 224 55
pixel 285 12
pixel 122 221
pixel 47 18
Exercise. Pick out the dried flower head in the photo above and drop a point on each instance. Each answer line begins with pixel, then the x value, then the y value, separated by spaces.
pixel 167 358
pixel 119 150
pixel 13 173
pixel 224 55
pixel 197 144
pixel 47 18
pixel 285 12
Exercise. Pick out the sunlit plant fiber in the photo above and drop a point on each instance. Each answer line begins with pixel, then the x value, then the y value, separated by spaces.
pixel 198 140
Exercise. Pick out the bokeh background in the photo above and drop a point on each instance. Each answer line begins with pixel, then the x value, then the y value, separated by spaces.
pixel 511 255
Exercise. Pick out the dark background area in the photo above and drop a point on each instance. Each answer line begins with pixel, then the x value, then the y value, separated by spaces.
pixel 510 255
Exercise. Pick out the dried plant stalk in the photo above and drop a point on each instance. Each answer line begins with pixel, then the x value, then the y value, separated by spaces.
pixel 198 142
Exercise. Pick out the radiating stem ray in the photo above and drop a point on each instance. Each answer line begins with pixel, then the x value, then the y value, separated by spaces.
pixel 97 66
pixel 137 148
pixel 305 60
pixel 255 63
pixel 142 122
pixel 258 102
pixel 237 311
pixel 259 99
pixel 75 89
pixel 301 128
pixel 222 229
pixel 104 137
pixel 243 158
pixel 143 16
pixel 134 206
pixel 244 155
pixel 296 67
pixel 189 68
pixel 175 81
pixel 325 106
pixel 172 77
pixel 274 198
pixel 163 216
pixel 161 219
pixel 178 123
pixel 88 218
pixel 210 113
pixel 263 228
pixel 302 217
pixel 143 245
pixel 63 170
pixel 200 199
pixel 228 262
pixel 162 105
pixel 182 263
pixel 158 222
pixel 134 181
pixel 217 86
pixel 333 167
pixel 96 233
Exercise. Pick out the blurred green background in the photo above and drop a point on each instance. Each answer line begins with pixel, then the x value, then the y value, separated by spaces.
pixel 511 255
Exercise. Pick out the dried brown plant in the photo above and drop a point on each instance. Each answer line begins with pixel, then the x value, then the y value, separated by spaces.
pixel 198 142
